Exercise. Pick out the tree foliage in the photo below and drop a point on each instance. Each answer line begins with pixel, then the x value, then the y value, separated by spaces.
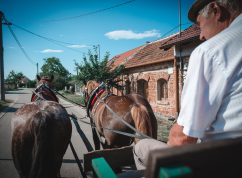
pixel 14 77
pixel 93 68
pixel 53 66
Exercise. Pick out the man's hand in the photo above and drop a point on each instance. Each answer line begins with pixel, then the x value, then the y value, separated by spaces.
pixel 177 137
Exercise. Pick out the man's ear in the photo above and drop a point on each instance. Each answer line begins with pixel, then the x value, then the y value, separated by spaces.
pixel 220 12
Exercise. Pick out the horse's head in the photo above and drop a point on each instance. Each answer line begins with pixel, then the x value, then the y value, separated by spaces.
pixel 89 87
pixel 45 80
pixel 44 89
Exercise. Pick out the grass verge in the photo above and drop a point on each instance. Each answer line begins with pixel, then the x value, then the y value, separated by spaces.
pixel 72 97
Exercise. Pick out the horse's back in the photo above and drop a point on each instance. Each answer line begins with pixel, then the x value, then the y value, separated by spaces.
pixel 25 114
pixel 41 134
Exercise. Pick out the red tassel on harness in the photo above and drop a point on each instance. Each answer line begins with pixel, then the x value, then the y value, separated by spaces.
pixel 95 97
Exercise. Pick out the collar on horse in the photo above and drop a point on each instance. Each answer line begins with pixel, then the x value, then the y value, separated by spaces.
pixel 44 88
pixel 94 96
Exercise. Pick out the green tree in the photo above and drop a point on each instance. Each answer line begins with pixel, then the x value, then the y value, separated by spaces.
pixel 53 66
pixel 94 69
pixel 14 78
pixel 31 83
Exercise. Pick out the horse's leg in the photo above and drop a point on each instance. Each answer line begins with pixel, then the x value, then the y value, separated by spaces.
pixel 95 136
pixel 58 174
pixel 16 152
pixel 22 144
pixel 143 120
pixel 95 139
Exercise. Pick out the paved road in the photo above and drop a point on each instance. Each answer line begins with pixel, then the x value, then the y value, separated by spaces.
pixel 69 167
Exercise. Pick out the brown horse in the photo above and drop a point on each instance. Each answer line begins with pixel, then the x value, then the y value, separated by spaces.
pixel 41 134
pixel 110 112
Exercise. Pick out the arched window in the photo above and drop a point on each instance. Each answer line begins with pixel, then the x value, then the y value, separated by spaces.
pixel 162 89
pixel 142 87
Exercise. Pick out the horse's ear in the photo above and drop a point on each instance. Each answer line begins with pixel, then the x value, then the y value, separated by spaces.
pixel 84 82
pixel 38 77
pixel 51 78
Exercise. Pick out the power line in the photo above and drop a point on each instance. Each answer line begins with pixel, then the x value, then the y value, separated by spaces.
pixel 173 29
pixel 49 39
pixel 91 13
pixel 57 42
pixel 19 44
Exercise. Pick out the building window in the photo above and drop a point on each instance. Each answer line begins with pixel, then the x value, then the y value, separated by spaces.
pixel 127 87
pixel 162 89
pixel 142 88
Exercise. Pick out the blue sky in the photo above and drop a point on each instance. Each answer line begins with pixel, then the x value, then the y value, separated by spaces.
pixel 116 25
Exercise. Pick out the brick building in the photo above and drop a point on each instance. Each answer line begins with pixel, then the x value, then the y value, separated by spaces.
pixel 157 70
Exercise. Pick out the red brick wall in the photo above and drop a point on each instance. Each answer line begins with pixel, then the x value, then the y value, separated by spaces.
pixel 152 74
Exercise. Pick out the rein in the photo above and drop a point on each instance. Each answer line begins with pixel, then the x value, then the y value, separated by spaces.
pixel 104 128
pixel 69 99
pixel 140 135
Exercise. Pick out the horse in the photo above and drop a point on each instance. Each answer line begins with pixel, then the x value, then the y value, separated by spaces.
pixel 111 114
pixel 41 132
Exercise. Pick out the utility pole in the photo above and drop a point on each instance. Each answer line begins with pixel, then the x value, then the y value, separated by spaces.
pixel 1 60
pixel 178 60
pixel 180 46
pixel 99 51
pixel 37 68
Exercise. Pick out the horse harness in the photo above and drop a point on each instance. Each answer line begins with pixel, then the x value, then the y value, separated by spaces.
pixel 94 96
pixel 43 90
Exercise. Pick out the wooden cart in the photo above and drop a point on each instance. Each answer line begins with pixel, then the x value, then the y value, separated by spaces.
pixel 211 159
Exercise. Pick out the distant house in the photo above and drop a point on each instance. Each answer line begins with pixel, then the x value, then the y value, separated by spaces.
pixel 24 82
pixel 157 70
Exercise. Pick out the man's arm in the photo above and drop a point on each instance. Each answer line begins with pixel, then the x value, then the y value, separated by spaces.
pixel 177 137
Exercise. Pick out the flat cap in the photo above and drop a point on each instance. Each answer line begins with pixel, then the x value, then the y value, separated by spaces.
pixel 196 7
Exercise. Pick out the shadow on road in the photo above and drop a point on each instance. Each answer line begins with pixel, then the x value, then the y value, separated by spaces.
pixel 10 109
pixel 14 92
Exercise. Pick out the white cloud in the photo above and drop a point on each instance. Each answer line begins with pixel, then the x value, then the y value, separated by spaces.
pixel 51 51
pixel 129 34
pixel 78 46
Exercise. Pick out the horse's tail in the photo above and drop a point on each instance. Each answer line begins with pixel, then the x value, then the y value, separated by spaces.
pixel 40 131
pixel 144 120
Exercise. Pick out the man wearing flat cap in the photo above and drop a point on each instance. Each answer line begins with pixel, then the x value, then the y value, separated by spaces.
pixel 212 95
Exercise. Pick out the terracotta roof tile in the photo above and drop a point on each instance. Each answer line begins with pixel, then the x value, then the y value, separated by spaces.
pixel 189 34
pixel 155 52
pixel 123 58
pixel 150 54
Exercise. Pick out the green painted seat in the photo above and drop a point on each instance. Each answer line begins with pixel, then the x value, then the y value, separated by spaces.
pixel 102 169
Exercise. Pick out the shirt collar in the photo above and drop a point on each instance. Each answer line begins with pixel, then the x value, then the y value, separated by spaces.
pixel 238 19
